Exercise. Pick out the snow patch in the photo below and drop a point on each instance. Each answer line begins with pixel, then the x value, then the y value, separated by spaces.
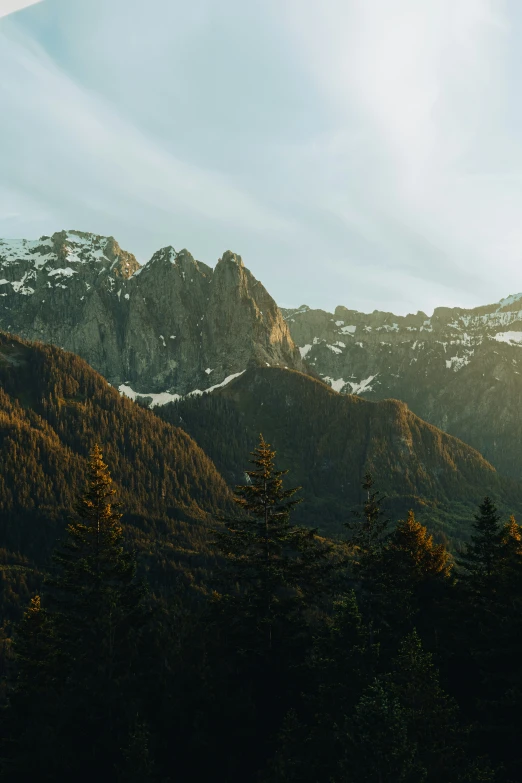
pixel 199 392
pixel 156 399
pixel 334 348
pixel 337 385
pixel 456 363
pixel 509 337
pixel 363 386
pixel 305 350
pixel 67 272
pixel 162 398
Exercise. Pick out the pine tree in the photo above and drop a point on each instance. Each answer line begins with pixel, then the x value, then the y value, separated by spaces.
pixel 313 742
pixel 511 558
pixel 407 728
pixel 498 657
pixel 83 648
pixel 367 537
pixel 94 596
pixel 431 715
pixel 272 568
pixel 274 576
pixel 480 562
pixel 416 557
pixel 416 576
pixel 29 731
pixel 380 749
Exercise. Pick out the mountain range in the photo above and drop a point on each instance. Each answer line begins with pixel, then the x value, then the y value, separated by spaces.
pixel 460 370
pixel 174 329
pixel 168 328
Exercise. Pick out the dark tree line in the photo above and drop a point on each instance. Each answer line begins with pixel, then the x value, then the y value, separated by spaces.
pixel 376 659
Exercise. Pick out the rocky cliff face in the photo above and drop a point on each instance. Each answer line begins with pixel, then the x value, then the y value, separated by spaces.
pixel 168 328
pixel 460 370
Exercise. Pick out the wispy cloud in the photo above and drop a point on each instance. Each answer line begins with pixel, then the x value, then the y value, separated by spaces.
pixel 71 150
pixel 10 6
pixel 362 152
pixel 426 165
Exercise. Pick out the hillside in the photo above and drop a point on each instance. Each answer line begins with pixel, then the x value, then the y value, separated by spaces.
pixel 329 440
pixel 460 369
pixel 53 408
pixel 172 326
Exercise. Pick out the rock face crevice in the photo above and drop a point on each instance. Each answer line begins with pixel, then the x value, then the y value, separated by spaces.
pixel 173 325
pixel 460 370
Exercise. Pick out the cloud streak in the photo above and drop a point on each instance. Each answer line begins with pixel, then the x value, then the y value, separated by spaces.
pixel 10 6
pixel 365 152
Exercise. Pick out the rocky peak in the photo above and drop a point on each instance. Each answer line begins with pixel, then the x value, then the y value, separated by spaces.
pixel 513 300
pixel 168 328
pixel 231 258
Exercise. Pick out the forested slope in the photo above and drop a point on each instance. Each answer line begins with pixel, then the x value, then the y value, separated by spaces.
pixel 330 440
pixel 53 408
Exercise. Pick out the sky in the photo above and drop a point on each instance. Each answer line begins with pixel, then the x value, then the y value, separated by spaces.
pixel 366 153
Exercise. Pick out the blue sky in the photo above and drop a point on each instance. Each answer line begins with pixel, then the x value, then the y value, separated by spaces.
pixel 357 152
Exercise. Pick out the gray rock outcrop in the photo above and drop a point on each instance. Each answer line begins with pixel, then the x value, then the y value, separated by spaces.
pixel 170 327
pixel 460 370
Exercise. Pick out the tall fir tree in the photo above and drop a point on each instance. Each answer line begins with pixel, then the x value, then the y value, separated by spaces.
pixel 313 742
pixel 274 577
pixel 83 647
pixel 498 658
pixel 480 562
pixel 417 574
pixel 273 570
pixel 367 537
pixel 406 728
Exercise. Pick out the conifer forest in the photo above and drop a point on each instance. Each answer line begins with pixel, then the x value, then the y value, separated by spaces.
pixel 378 656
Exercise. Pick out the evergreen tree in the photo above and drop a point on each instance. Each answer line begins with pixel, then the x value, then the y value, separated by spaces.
pixel 82 650
pixel 431 715
pixel 95 599
pixel 273 570
pixel 480 561
pixel 407 728
pixel 313 742
pixel 275 577
pixel 380 749
pixel 498 656
pixel 416 577
pixel 367 537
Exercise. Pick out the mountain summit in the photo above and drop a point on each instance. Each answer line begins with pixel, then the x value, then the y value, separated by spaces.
pixel 168 328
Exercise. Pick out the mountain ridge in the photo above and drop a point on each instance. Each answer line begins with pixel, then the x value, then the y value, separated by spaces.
pixel 330 440
pixel 458 369
pixel 173 325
